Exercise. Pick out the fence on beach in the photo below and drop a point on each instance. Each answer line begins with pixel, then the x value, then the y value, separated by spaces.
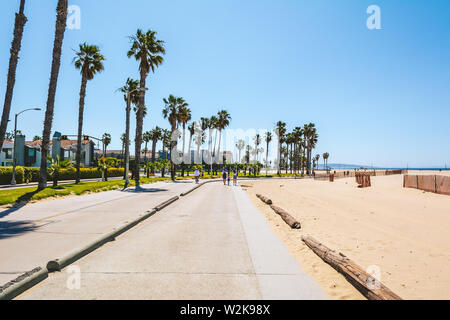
pixel 430 183
pixel 353 173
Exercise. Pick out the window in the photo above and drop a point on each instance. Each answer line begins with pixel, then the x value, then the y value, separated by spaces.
pixel 8 153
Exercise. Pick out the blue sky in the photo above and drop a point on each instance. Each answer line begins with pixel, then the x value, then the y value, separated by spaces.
pixel 378 97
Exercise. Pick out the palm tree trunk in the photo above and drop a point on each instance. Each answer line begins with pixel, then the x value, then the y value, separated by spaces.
pixel 173 146
pixel 80 126
pixel 56 63
pixel 145 150
pixel 267 155
pixel 153 155
pixel 16 45
pixel 139 124
pixel 127 138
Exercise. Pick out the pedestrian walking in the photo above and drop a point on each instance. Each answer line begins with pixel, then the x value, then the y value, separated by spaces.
pixel 197 175
pixel 235 176
pixel 224 176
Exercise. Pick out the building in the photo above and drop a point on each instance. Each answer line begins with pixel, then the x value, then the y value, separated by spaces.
pixel 28 153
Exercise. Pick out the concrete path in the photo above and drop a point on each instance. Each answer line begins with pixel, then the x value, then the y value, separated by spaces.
pixel 32 235
pixel 210 244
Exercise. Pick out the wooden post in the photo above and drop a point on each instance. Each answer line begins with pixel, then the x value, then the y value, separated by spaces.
pixel 370 287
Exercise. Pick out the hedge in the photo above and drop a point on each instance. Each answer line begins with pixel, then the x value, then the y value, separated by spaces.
pixel 64 174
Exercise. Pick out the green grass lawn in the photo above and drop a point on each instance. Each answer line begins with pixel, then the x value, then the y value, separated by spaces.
pixel 29 194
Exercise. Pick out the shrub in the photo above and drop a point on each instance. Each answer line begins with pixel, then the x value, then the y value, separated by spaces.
pixel 6 175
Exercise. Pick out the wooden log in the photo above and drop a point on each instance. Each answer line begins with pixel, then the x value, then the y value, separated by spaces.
pixel 264 199
pixel 370 287
pixel 294 224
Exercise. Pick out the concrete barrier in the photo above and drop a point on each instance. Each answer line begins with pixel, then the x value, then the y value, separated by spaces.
pixel 22 283
pixel 166 203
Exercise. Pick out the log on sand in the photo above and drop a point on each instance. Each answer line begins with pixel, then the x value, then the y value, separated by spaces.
pixel 370 287
pixel 294 224
pixel 264 199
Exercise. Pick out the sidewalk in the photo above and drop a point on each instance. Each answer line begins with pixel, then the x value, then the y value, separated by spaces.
pixel 211 244
pixel 32 235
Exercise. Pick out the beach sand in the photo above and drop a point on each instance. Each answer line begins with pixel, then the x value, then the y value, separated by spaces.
pixel 404 232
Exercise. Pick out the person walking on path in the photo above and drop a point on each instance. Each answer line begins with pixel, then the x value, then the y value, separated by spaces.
pixel 235 176
pixel 228 177
pixel 197 175
pixel 224 176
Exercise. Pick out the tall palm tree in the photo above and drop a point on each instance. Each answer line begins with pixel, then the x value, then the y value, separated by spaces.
pixel 106 138
pixel 16 45
pixel 191 129
pixel 223 121
pixel 131 96
pixel 257 140
pixel 123 139
pixel 148 50
pixel 310 137
pixel 240 145
pixel 184 115
pixel 317 160
pixel 166 142
pixel 147 137
pixel 89 61
pixel 171 112
pixel 212 126
pixel 268 138
pixel 200 136
pixel 325 160
pixel 61 19
pixel 280 132
pixel 156 135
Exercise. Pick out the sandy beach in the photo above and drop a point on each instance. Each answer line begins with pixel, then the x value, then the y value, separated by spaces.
pixel 404 232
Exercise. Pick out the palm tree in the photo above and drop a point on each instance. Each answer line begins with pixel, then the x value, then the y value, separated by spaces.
pixel 184 115
pixel 317 160
pixel 89 61
pixel 37 138
pixel 325 160
pixel 223 121
pixel 257 140
pixel 16 45
pixel 123 140
pixel 268 138
pixel 147 138
pixel 155 135
pixel 240 145
pixel 171 112
pixel 191 129
pixel 106 139
pixel 166 142
pixel 310 137
pixel 148 51
pixel 131 96
pixel 212 124
pixel 280 132
pixel 61 19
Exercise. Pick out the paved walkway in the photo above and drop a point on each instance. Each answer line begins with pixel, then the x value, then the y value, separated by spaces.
pixel 32 235
pixel 211 244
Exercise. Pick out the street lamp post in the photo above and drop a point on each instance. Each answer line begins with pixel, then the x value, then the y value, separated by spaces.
pixel 13 180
